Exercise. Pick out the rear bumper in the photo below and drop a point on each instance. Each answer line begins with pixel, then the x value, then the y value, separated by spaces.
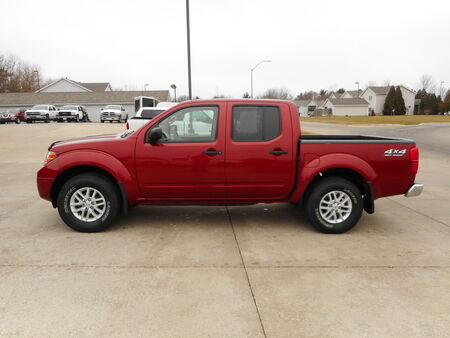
pixel 415 190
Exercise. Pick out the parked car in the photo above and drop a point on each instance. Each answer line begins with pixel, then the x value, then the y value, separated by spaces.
pixel 15 115
pixel 70 113
pixel 227 152
pixel 144 115
pixel 41 112
pixel 113 113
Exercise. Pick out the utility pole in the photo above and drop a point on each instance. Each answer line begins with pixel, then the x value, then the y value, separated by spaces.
pixel 189 49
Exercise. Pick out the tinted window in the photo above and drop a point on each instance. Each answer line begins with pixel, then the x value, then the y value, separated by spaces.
pixel 193 124
pixel 256 123
pixel 151 113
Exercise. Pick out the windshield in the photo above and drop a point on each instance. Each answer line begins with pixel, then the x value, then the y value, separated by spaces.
pixel 13 110
pixel 69 107
pixel 112 107
pixel 39 107
pixel 151 113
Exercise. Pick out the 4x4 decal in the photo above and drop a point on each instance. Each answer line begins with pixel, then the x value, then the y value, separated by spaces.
pixel 395 152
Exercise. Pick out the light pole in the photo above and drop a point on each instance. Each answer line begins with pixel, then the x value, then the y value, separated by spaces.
pixel 145 86
pixel 357 82
pixel 37 74
pixel 174 87
pixel 251 91
pixel 188 49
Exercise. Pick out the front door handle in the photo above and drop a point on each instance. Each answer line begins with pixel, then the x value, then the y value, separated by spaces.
pixel 212 152
pixel 278 152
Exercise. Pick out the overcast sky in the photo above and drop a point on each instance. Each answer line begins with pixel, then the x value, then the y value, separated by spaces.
pixel 312 44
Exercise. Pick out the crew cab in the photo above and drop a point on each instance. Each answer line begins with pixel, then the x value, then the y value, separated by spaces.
pixel 223 152
pixel 15 115
pixel 113 112
pixel 41 112
pixel 71 112
pixel 145 114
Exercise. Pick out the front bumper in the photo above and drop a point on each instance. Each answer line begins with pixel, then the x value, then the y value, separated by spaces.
pixel 8 119
pixel 36 117
pixel 415 190
pixel 110 118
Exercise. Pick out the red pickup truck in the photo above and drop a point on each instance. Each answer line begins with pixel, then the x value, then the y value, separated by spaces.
pixel 223 152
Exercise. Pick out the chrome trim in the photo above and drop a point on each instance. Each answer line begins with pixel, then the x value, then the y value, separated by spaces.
pixel 415 190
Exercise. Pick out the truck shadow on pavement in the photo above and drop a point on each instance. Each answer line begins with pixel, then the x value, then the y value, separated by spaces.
pixel 260 215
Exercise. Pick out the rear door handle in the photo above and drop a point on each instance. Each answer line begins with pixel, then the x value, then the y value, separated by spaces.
pixel 212 152
pixel 279 152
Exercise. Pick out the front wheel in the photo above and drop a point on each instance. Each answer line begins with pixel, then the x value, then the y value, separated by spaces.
pixel 334 205
pixel 17 121
pixel 88 203
pixel 47 119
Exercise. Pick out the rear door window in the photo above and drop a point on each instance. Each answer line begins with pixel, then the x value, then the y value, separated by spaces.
pixel 256 123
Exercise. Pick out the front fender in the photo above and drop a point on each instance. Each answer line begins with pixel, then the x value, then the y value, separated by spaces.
pixel 93 158
pixel 312 165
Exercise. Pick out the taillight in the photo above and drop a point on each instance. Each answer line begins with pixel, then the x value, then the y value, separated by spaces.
pixel 414 159
pixel 128 126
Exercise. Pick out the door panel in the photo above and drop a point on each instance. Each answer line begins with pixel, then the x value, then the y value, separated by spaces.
pixel 259 169
pixel 181 170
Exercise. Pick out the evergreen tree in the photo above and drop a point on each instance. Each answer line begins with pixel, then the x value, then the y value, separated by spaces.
pixel 389 103
pixel 246 95
pixel 399 103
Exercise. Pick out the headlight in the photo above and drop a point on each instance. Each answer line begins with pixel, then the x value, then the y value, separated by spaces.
pixel 51 155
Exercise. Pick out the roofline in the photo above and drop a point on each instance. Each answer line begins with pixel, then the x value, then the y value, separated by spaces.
pixel 63 78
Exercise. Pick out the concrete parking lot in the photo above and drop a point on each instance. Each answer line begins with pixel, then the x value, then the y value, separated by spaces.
pixel 223 271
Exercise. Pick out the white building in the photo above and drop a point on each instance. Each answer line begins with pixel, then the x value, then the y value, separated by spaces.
pixel 65 85
pixel 354 106
pixel 376 96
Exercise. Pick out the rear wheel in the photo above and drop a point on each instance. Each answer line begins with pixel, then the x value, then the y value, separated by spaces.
pixel 102 121
pixel 334 206
pixel 88 202
pixel 28 121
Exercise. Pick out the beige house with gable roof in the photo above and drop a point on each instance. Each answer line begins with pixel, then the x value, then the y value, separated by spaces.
pixel 376 96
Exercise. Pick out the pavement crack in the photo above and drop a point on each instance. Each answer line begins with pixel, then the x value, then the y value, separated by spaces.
pixel 246 272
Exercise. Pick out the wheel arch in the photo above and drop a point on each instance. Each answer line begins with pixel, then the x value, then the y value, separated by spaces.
pixel 364 186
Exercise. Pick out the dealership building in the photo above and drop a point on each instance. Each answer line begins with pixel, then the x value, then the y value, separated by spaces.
pixel 94 96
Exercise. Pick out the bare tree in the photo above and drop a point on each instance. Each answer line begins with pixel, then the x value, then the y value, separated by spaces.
pixel 427 83
pixel 17 76
pixel 308 95
pixel 387 83
pixel 277 93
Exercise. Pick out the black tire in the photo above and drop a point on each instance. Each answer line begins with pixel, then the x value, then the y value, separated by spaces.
pixel 2 122
pixel 77 119
pixel 17 121
pixel 319 218
pixel 28 121
pixel 102 185
pixel 102 121
pixel 47 119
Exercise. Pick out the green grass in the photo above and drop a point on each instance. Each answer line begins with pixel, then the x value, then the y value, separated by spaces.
pixel 407 120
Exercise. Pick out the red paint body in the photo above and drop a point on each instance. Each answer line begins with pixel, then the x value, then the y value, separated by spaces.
pixel 245 172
